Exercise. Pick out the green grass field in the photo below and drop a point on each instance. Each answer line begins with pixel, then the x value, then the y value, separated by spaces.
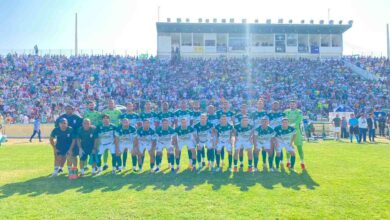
pixel 343 181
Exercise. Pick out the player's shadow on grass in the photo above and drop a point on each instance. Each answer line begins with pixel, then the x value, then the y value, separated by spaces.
pixel 163 181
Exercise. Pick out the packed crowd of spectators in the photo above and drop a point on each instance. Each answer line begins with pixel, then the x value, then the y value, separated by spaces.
pixel 379 66
pixel 33 85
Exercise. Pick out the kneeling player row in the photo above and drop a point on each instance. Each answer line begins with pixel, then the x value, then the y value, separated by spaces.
pixel 94 142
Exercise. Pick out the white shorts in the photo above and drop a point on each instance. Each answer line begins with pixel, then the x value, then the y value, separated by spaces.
pixel 160 146
pixel 243 145
pixel 123 146
pixel 288 147
pixel 227 146
pixel 189 144
pixel 208 144
pixel 104 147
pixel 337 129
pixel 144 146
pixel 265 145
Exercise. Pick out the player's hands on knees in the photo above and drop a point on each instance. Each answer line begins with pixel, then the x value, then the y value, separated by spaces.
pixel 117 152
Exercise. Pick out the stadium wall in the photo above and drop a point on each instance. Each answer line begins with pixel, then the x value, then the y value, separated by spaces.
pixel 26 130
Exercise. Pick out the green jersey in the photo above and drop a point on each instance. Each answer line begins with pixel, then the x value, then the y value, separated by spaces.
pixel 204 132
pixel 229 115
pixel 170 116
pixel 125 135
pixel 183 114
pixel 114 115
pixel 275 118
pixel 87 139
pixel 284 135
pixel 133 118
pixel 164 136
pixel 105 134
pixel 295 117
pixel 239 116
pixel 151 116
pixel 264 135
pixel 184 134
pixel 243 133
pixel 195 116
pixel 213 119
pixel 256 116
pixel 94 116
pixel 224 132
pixel 146 137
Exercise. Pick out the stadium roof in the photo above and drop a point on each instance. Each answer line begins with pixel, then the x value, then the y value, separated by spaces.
pixel 167 27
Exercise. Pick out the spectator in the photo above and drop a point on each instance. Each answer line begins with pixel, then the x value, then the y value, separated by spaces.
pixel 337 127
pixel 344 125
pixel 362 128
pixel 382 125
pixel 372 125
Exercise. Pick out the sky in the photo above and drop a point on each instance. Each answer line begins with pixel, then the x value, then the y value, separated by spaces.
pixel 129 26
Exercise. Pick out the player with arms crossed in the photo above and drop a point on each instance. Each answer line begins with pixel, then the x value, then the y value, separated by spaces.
pixel 195 119
pixel 145 140
pixel 105 141
pixel 184 113
pixel 263 138
pixel 275 119
pixel 124 141
pixel 243 140
pixel 114 115
pixel 204 138
pixel 164 135
pixel 285 136
pixel 134 120
pixel 256 117
pixel 224 132
pixel 169 116
pixel 185 137
pixel 243 112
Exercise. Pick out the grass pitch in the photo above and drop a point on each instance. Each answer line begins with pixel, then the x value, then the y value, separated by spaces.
pixel 343 181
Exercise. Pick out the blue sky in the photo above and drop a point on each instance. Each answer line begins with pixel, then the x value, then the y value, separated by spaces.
pixel 129 26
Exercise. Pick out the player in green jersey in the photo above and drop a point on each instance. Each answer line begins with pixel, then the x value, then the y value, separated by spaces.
pixel 93 115
pixel 134 121
pixel 204 138
pixel 105 141
pixel 275 119
pixel 124 141
pixel 230 119
pixel 164 135
pixel 263 138
pixel 224 132
pixel 184 113
pixel 243 113
pixel 195 119
pixel 295 117
pixel 243 140
pixel 145 140
pixel 113 114
pixel 185 137
pixel 133 117
pixel 166 114
pixel 285 136
pixel 256 117
pixel 148 114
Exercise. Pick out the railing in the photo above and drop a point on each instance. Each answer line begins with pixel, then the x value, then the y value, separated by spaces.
pixel 71 52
